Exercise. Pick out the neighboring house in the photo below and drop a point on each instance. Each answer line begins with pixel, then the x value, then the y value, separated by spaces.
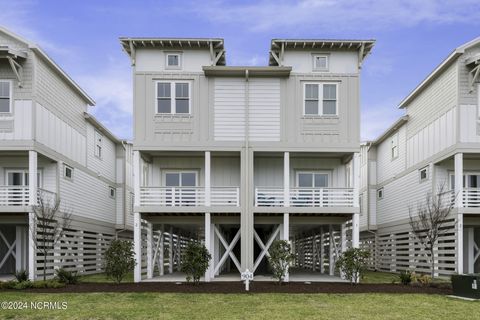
pixel 238 156
pixel 436 143
pixel 51 147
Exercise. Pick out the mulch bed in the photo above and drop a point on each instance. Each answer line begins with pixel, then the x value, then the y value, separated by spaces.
pixel 255 287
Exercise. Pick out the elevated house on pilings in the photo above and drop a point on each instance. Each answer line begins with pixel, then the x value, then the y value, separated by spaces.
pixel 238 156
pixel 50 147
pixel 436 143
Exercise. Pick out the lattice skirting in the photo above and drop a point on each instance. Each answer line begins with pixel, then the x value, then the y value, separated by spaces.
pixel 400 250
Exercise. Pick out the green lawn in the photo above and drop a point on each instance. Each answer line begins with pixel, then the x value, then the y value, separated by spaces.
pixel 243 306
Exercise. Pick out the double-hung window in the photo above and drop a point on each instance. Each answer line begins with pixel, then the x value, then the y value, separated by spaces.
pixel 320 62
pixel 5 96
pixel 173 60
pixel 394 146
pixel 173 97
pixel 98 144
pixel 320 99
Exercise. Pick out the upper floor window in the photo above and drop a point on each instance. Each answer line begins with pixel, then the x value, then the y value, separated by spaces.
pixel 320 62
pixel 423 174
pixel 394 146
pixel 173 97
pixel 313 179
pixel 380 193
pixel 67 172
pixel 5 96
pixel 173 60
pixel 320 99
pixel 112 192
pixel 181 179
pixel 98 144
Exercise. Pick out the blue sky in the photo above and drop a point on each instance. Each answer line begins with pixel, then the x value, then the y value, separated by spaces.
pixel 412 38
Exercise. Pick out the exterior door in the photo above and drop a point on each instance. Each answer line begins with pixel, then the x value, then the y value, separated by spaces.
pixel 310 188
pixel 182 185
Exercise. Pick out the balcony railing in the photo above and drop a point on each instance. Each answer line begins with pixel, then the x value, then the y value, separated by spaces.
pixel 305 197
pixel 471 197
pixel 188 196
pixel 19 196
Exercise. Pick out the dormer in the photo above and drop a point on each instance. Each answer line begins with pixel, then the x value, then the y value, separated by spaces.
pixel 174 55
pixel 320 56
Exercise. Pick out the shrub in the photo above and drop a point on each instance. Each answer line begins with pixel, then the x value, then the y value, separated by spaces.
pixel 195 261
pixel 405 277
pixel 21 275
pixel 421 279
pixel 42 284
pixel 65 276
pixel 8 284
pixel 22 285
pixel 280 259
pixel 352 263
pixel 119 260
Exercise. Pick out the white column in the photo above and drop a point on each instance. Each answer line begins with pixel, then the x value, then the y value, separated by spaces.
pixel 149 251
pixel 356 230
pixel 32 267
pixel 459 180
pixel 331 250
pixel 170 251
pixel 286 236
pixel 460 243
pixel 322 252
pixel 162 247
pixel 286 179
pixel 216 251
pixel 343 237
pixel 208 245
pixel 459 204
pixel 207 178
pixel 356 179
pixel 32 178
pixel 470 251
pixel 137 239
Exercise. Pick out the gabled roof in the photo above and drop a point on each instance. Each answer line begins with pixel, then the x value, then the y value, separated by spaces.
pixel 394 127
pixel 130 44
pixel 362 46
pixel 438 70
pixel 100 127
pixel 35 48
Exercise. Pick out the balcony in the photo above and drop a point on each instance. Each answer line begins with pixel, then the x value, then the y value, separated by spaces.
pixel 471 197
pixel 305 197
pixel 19 196
pixel 189 196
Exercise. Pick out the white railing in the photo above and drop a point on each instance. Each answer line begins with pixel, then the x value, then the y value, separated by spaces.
pixel 188 196
pixel 305 197
pixel 471 197
pixel 14 196
pixel 49 198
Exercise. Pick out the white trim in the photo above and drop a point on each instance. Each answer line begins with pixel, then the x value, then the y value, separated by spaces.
pixel 65 166
pixel 110 189
pixel 427 174
pixel 180 58
pixel 383 193
pixel 25 172
pixel 314 66
pixel 173 84
pixel 320 99
pixel 10 92
pixel 97 135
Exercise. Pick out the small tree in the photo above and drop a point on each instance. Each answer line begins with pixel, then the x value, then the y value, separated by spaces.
pixel 195 261
pixel 119 260
pixel 353 263
pixel 280 258
pixel 428 220
pixel 49 226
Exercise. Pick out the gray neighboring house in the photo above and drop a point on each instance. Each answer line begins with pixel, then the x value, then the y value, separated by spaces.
pixel 436 143
pixel 51 147
pixel 238 156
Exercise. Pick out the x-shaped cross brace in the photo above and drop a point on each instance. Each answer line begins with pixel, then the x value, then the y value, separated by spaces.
pixel 263 246
pixel 228 250
pixel 9 251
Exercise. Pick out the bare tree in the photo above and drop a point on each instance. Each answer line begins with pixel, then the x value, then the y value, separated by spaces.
pixel 428 219
pixel 49 226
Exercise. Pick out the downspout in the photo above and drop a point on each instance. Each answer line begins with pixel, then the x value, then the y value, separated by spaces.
pixel 124 184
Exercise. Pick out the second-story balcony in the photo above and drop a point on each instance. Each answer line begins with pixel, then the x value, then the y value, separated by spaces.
pixel 304 197
pixel 189 196
pixel 20 196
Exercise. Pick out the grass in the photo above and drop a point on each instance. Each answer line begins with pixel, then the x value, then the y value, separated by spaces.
pixel 243 306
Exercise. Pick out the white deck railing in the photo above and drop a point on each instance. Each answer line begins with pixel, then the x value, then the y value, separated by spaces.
pixel 305 197
pixel 471 197
pixel 14 196
pixel 188 196
pixel 19 196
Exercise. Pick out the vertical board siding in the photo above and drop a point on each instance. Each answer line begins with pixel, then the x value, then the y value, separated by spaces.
pixel 17 126
pixel 469 123
pixel 264 109
pixel 432 139
pixel 387 167
pixel 59 136
pixel 229 109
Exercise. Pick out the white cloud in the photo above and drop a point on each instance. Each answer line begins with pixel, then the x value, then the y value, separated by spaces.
pixel 346 15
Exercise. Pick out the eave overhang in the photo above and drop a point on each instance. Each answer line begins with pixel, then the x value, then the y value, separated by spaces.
pixel 100 127
pixel 394 127
pixel 240 71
